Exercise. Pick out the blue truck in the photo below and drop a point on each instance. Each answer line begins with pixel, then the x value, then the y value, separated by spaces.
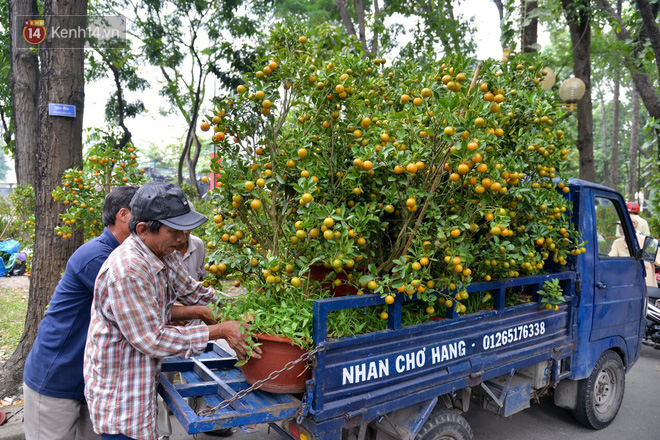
pixel 413 382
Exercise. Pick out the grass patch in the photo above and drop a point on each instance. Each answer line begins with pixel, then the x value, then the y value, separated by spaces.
pixel 13 303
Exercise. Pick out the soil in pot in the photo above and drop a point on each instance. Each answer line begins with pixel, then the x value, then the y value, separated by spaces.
pixel 277 351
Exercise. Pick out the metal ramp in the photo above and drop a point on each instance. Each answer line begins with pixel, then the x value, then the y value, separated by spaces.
pixel 213 377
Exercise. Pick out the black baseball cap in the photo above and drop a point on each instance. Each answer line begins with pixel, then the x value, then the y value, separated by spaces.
pixel 166 203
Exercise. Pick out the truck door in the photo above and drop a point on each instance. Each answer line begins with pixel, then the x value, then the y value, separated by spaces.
pixel 619 283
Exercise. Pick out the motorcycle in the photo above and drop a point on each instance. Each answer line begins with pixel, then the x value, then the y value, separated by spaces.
pixel 652 333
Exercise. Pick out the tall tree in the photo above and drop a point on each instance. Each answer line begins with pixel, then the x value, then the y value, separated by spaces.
pixel 6 107
pixel 347 21
pixel 530 25
pixel 647 32
pixel 633 184
pixel 578 17
pixel 59 147
pixel 607 181
pixel 188 44
pixel 436 23
pixel 24 80
pixel 616 112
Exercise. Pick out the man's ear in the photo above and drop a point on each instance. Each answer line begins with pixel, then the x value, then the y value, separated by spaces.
pixel 141 229
pixel 123 215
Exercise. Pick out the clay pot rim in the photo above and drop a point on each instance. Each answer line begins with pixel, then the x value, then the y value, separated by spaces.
pixel 272 338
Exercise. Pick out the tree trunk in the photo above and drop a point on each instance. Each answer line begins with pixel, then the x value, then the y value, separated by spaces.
pixel 359 7
pixel 616 111
pixel 377 22
pixel 24 80
pixel 192 161
pixel 59 147
pixel 182 159
pixel 634 145
pixel 579 24
pixel 530 31
pixel 345 16
pixel 606 164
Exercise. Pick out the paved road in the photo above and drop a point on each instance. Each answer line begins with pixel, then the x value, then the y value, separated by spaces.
pixel 638 419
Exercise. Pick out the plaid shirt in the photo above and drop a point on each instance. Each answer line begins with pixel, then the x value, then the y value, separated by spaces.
pixel 129 334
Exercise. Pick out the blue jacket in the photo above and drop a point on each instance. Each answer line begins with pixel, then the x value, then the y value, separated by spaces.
pixel 54 367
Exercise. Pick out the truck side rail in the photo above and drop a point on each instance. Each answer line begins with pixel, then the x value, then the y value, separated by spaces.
pixel 372 374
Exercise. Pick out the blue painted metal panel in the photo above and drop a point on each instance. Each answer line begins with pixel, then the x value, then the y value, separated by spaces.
pixel 393 366
pixel 213 377
pixel 590 347
pixel 66 110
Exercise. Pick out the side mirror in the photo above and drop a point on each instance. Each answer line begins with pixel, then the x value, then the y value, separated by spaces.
pixel 650 249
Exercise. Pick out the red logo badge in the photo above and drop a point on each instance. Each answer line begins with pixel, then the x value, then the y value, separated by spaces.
pixel 34 31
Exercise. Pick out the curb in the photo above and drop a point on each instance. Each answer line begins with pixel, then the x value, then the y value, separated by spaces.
pixel 13 428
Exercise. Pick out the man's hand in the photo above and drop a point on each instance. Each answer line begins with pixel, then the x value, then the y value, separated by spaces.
pixel 237 339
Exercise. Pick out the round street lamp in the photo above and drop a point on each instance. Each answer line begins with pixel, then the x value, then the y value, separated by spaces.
pixel 571 91
pixel 549 79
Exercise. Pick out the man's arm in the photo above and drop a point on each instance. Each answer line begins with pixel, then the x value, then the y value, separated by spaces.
pixel 189 291
pixel 135 309
pixel 185 313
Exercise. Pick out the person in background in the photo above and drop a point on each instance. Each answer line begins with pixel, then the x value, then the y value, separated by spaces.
pixel 130 330
pixel 193 255
pixel 642 225
pixel 55 406
pixel 619 246
pixel 620 249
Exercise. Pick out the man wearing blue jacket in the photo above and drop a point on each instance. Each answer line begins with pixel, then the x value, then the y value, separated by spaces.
pixel 55 407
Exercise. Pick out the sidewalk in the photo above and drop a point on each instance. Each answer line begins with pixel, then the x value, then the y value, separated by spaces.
pixel 13 427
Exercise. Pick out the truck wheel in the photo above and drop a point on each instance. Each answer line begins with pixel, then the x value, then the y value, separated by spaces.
pixel 599 396
pixel 445 424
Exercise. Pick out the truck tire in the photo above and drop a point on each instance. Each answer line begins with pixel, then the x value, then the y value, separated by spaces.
pixel 599 396
pixel 444 424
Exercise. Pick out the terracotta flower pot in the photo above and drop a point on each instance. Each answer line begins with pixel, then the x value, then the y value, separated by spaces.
pixel 318 272
pixel 277 351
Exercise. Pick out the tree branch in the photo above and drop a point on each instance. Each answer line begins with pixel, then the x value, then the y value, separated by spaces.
pixel 120 107
pixel 650 27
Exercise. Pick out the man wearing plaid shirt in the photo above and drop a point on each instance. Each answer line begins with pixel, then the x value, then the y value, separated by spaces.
pixel 130 331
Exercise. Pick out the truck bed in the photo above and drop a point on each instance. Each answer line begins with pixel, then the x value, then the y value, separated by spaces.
pixel 359 378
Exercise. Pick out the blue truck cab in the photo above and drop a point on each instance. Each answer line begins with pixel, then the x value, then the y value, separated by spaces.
pixel 412 382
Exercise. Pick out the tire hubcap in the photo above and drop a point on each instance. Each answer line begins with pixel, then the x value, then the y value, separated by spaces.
pixel 605 390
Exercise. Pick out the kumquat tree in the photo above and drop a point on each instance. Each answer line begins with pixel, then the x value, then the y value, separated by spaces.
pixel 83 191
pixel 395 178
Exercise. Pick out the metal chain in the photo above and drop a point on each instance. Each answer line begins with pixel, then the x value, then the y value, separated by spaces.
pixel 258 384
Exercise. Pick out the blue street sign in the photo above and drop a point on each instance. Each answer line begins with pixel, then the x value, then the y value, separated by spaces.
pixel 62 110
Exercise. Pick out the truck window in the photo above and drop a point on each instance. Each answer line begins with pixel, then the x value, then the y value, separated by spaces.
pixel 610 232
